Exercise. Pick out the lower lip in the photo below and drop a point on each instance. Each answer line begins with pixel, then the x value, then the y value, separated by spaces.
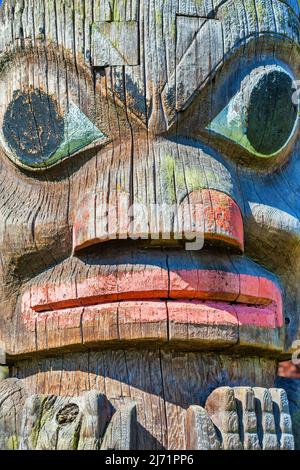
pixel 154 295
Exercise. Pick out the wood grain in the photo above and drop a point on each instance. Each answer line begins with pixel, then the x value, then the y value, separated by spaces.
pixel 123 122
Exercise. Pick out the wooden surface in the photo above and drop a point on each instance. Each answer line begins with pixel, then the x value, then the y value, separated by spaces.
pixel 245 202
pixel 292 388
pixel 168 391
pixel 127 129
pixel 163 384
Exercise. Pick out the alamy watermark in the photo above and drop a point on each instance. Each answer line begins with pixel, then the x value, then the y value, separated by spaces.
pixel 152 222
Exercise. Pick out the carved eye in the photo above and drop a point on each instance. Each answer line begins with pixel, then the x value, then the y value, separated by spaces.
pixel 261 117
pixel 37 135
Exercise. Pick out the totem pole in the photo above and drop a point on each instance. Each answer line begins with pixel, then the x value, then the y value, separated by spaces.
pixel 149 222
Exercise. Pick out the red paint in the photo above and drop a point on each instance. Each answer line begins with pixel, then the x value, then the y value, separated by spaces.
pixel 263 316
pixel 204 284
pixel 222 313
pixel 262 295
pixel 222 218
pixel 207 211
pixel 196 312
pixel 125 313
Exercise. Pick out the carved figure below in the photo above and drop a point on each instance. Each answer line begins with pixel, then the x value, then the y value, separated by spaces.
pixel 149 224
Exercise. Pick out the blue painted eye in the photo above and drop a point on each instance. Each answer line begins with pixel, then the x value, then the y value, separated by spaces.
pixel 37 136
pixel 261 117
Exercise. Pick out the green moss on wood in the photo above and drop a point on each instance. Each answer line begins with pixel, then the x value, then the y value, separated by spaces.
pixel 12 442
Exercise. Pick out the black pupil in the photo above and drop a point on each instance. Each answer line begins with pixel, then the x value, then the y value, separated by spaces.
pixel 271 113
pixel 33 127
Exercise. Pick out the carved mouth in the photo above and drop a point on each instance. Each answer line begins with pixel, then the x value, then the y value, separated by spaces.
pixel 169 298
pixel 183 295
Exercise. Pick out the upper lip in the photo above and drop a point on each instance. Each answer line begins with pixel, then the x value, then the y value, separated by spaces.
pixel 246 283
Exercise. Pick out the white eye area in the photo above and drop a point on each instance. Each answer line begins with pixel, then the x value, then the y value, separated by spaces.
pixel 262 116
pixel 37 135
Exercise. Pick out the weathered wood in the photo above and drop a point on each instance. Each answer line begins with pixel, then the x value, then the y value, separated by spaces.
pixel 162 384
pixel 292 389
pixel 201 433
pixel 111 45
pixel 87 422
pixel 233 418
pixel 149 222
pixel 13 396
pixel 49 422
pixel 236 419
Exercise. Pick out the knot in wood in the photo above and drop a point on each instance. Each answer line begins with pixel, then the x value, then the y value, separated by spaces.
pixel 67 414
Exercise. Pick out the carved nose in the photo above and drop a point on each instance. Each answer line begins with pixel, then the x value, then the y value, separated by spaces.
pixel 205 214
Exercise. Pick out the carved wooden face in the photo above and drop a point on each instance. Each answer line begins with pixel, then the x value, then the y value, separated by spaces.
pixel 117 116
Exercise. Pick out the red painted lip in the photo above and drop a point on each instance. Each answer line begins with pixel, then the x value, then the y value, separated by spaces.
pixel 251 299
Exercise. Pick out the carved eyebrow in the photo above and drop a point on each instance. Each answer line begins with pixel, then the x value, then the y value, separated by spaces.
pixel 198 57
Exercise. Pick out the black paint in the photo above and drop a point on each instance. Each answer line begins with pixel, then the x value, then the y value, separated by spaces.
pixel 271 112
pixel 33 127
